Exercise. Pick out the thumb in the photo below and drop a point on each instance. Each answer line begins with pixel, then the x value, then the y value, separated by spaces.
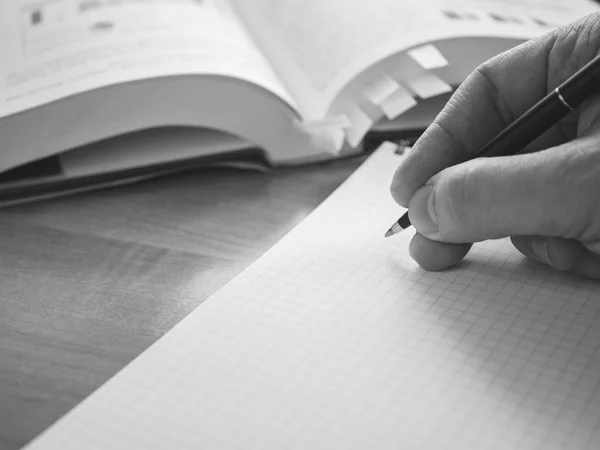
pixel 555 192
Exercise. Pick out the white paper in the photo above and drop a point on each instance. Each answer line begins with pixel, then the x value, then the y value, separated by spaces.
pixel 320 46
pixel 335 339
pixel 327 134
pixel 397 103
pixel 361 124
pixel 428 85
pixel 55 48
pixel 329 139
pixel 380 89
pixel 428 57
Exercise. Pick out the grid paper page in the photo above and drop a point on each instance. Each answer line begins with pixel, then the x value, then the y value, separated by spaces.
pixel 335 339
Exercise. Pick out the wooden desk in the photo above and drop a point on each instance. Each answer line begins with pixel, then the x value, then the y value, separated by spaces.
pixel 88 282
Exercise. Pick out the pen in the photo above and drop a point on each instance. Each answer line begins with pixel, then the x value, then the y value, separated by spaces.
pixel 539 118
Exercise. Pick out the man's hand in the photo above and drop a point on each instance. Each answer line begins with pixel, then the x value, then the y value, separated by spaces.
pixel 547 198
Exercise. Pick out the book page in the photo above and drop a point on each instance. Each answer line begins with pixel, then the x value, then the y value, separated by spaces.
pixel 336 339
pixel 50 49
pixel 318 46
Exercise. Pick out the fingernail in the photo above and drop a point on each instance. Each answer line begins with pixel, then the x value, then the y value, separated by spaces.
pixel 422 210
pixel 540 248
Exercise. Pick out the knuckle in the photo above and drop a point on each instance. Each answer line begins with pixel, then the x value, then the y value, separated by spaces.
pixel 489 72
pixel 464 191
pixel 590 26
pixel 573 45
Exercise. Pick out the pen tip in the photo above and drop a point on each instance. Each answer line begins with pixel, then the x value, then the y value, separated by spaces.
pixel 394 229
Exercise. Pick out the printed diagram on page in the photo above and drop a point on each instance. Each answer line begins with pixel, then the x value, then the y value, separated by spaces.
pixel 48 25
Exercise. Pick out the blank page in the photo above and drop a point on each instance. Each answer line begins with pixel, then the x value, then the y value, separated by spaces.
pixel 335 339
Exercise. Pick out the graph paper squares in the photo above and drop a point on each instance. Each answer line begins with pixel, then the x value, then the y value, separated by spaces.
pixel 336 339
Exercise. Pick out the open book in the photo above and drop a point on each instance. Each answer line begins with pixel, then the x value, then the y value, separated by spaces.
pixel 298 80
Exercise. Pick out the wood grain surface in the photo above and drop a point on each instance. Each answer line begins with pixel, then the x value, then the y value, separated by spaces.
pixel 90 281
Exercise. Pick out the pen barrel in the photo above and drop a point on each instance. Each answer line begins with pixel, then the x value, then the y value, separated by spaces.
pixel 583 84
pixel 546 113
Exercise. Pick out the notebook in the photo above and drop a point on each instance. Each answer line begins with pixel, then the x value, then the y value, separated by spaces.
pixel 335 339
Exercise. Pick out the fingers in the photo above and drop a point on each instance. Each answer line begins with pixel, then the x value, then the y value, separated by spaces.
pixel 558 253
pixel 561 254
pixel 478 200
pixel 493 96
pixel 434 256
pixel 555 192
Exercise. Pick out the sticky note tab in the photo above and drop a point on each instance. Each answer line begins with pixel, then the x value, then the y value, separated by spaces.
pixel 387 146
pixel 330 140
pixel 361 123
pixel 428 57
pixel 397 103
pixel 380 89
pixel 328 133
pixel 428 85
